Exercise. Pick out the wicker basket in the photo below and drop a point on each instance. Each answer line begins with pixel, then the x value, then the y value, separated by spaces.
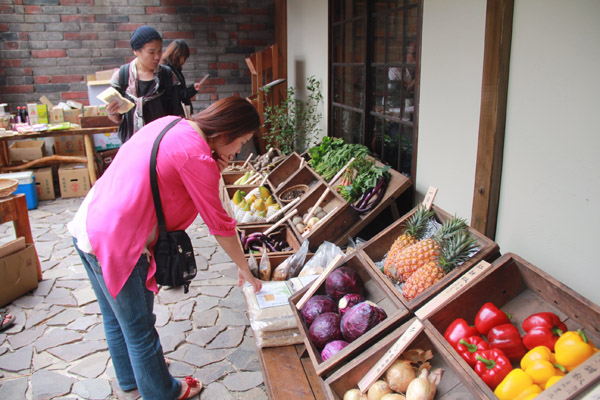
pixel 300 191
pixel 8 186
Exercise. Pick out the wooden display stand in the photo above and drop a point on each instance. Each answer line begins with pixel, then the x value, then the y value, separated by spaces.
pixel 14 208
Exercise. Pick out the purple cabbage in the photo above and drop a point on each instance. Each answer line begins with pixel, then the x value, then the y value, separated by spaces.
pixel 341 281
pixel 359 319
pixel 332 348
pixel 324 329
pixel 316 306
pixel 349 301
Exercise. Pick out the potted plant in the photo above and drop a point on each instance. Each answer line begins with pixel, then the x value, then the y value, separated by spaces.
pixel 293 124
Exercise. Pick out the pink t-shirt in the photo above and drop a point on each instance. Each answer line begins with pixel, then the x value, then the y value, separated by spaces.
pixel 121 213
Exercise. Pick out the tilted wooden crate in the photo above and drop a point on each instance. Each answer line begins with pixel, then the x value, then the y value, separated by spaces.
pixel 376 248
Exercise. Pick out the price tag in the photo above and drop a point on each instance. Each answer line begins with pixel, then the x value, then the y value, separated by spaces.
pixel 429 197
pixel 571 385
pixel 390 356
pixel 315 285
pixel 441 299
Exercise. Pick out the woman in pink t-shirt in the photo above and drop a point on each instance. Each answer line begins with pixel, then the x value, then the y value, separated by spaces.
pixel 115 229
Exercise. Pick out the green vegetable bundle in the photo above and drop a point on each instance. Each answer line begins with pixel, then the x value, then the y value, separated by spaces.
pixel 332 154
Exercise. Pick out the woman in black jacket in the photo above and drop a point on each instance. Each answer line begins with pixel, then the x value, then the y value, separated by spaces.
pixel 175 56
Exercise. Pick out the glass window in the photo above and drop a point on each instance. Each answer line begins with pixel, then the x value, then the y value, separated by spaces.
pixel 374 82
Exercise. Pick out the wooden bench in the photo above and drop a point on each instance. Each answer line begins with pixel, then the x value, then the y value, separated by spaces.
pixel 289 375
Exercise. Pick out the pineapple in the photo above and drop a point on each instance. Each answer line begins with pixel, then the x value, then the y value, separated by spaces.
pixel 415 227
pixel 455 250
pixel 424 251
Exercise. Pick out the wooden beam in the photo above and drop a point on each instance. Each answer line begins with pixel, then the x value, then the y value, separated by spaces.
pixel 492 120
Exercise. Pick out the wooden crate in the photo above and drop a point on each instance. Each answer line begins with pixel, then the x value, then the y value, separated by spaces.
pixel 304 176
pixel 376 249
pixel 520 289
pixel 238 164
pixel 283 233
pixel 376 292
pixel 455 384
pixel 229 191
pixel 335 226
pixel 285 170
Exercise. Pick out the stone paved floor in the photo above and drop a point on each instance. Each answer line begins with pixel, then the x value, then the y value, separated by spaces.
pixel 57 349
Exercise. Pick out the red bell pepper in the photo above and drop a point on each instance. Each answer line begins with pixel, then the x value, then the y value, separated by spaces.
pixel 507 338
pixel 490 316
pixel 468 346
pixel 542 329
pixel 492 366
pixel 459 329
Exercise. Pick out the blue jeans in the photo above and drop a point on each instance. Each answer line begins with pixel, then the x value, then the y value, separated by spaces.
pixel 132 339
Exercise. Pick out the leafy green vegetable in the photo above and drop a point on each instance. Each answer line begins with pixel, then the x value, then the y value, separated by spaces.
pixel 332 154
pixel 366 176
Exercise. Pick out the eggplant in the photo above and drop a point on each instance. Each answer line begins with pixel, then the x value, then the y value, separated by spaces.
pixel 372 198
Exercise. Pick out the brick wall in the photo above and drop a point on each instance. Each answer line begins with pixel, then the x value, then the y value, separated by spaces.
pixel 48 47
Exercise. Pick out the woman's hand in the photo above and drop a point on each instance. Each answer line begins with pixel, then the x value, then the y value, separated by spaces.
pixel 223 161
pixel 112 109
pixel 255 282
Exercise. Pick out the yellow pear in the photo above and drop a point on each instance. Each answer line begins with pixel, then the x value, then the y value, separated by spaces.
pixel 259 205
pixel 270 201
pixel 238 196
pixel 264 192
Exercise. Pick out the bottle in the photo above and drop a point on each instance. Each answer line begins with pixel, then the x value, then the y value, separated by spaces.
pixel 19 115
pixel 25 114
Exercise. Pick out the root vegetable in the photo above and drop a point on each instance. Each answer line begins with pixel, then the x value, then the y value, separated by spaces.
pixel 321 214
pixel 311 222
pixel 424 387
pixel 354 394
pixel 377 390
pixel 393 396
pixel 399 375
pixel 300 227
pixel 296 220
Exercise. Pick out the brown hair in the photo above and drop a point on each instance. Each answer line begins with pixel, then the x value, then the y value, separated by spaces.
pixel 228 118
pixel 173 53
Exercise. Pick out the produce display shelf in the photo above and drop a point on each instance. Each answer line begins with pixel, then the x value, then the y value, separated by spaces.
pixel 283 233
pixel 521 289
pixel 284 170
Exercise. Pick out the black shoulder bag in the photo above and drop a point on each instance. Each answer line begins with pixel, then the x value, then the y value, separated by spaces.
pixel 173 251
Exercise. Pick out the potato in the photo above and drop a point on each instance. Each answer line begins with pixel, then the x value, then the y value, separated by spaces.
pixel 321 214
pixel 296 220
pixel 300 227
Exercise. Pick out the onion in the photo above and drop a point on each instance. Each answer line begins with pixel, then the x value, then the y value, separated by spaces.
pixel 354 394
pixel 423 387
pixel 378 390
pixel 393 396
pixel 399 375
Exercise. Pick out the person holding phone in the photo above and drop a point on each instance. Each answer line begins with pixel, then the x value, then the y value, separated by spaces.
pixel 174 56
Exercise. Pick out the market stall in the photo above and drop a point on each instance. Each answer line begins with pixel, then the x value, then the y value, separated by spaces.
pixel 397 312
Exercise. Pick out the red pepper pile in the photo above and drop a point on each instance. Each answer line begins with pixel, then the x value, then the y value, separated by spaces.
pixel 492 358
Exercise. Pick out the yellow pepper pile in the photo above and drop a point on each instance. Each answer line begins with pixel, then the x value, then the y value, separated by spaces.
pixel 540 368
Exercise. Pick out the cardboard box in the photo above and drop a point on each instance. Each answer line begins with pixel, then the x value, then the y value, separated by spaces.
pixel 32 112
pixel 90 111
pixel 57 115
pixel 72 115
pixel 107 141
pixel 18 270
pixel 26 150
pixel 42 112
pixel 71 145
pixel 74 180
pixel 44 183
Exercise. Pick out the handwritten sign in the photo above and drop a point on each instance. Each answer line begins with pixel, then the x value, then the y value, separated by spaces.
pixel 390 356
pixel 441 299
pixel 315 285
pixel 572 385
pixel 429 197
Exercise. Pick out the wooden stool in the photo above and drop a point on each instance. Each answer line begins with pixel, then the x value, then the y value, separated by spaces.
pixel 14 208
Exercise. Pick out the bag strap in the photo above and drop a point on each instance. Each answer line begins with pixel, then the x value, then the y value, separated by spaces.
pixel 123 77
pixel 153 178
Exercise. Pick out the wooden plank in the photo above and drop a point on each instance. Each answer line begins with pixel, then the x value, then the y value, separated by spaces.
pixel 316 383
pixel 492 120
pixel 284 374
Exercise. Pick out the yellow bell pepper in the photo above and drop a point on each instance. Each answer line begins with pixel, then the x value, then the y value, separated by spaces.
pixel 538 364
pixel 552 381
pixel 517 383
pixel 529 393
pixel 573 348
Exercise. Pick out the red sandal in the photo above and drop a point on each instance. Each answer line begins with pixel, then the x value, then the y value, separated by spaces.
pixel 192 383
pixel 6 321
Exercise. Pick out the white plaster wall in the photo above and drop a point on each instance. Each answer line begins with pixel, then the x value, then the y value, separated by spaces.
pixel 451 68
pixel 550 196
pixel 307 24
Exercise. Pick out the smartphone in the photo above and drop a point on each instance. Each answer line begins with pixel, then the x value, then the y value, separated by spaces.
pixel 204 79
